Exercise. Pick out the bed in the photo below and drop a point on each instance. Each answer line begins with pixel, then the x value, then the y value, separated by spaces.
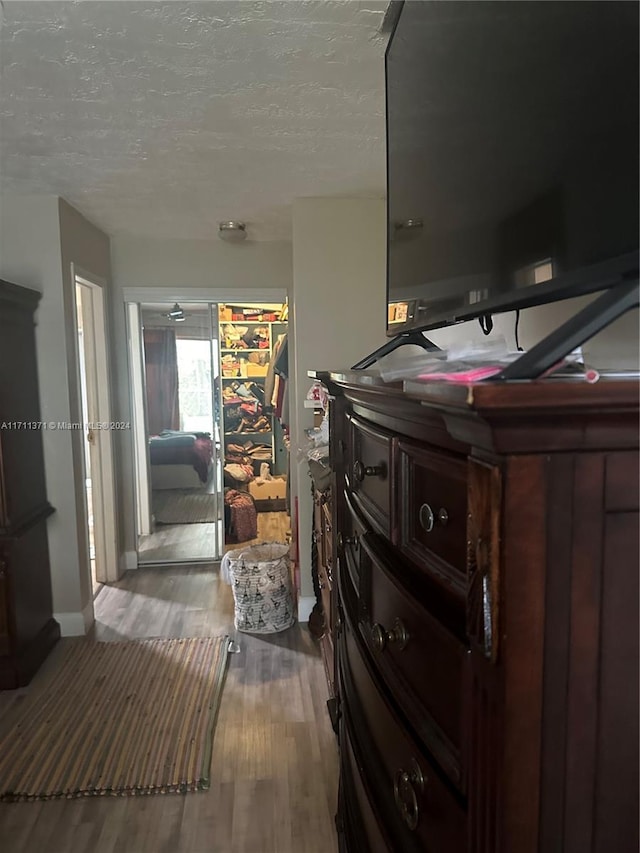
pixel 180 460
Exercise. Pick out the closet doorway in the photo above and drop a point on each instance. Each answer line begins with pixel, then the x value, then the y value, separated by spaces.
pixel 210 433
pixel 177 434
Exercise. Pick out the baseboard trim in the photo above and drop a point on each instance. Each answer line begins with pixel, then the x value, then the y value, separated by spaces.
pixel 129 561
pixel 306 603
pixel 88 616
pixel 71 624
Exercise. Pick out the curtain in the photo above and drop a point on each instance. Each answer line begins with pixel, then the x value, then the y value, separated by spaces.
pixel 161 372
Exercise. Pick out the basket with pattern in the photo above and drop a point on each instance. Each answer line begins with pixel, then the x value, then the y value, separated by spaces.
pixel 260 579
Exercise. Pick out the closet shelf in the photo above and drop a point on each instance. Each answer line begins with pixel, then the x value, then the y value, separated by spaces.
pixel 236 359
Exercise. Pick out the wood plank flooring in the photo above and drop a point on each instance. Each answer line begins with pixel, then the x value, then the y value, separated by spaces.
pixel 175 542
pixel 275 765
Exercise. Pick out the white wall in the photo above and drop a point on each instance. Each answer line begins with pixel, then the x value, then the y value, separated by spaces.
pixel 40 236
pixel 338 314
pixel 177 265
pixel 211 263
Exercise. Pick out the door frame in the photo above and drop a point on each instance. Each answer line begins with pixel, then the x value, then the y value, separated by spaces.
pixel 215 296
pixel 102 460
pixel 140 445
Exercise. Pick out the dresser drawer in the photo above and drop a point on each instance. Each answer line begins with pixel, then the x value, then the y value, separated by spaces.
pixel 414 804
pixel 361 827
pixel 352 528
pixel 325 593
pixel 432 513
pixel 322 530
pixel 327 541
pixel 423 664
pixel 369 471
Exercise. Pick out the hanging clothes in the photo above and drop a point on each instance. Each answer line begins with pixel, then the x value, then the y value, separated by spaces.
pixel 270 378
pixel 281 359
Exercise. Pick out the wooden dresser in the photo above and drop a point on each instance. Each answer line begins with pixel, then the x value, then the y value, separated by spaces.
pixel 323 622
pixel 27 628
pixel 485 555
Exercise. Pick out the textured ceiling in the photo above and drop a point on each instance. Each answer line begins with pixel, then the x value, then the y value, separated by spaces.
pixel 161 119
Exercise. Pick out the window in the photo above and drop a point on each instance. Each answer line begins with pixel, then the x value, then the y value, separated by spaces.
pixel 194 385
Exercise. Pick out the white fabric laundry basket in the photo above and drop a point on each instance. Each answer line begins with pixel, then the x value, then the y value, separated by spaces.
pixel 260 579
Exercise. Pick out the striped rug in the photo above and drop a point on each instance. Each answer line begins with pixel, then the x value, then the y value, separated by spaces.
pixel 117 718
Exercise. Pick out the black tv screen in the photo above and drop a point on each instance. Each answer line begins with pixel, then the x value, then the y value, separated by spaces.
pixel 512 155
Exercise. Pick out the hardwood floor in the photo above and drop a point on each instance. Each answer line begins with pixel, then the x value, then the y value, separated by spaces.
pixel 275 765
pixel 174 542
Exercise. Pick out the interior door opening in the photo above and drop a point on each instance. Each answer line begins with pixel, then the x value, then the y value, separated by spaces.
pixel 97 462
pixel 84 343
pixel 176 401
pixel 210 428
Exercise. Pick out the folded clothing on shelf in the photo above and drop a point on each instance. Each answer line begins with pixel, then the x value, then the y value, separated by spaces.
pixel 241 473
pixel 236 448
pixel 260 451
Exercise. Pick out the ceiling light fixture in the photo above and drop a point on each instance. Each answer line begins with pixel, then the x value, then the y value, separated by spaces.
pixel 176 314
pixel 232 231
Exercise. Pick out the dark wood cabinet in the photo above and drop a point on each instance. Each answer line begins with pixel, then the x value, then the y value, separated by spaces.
pixel 27 628
pixel 322 618
pixel 485 615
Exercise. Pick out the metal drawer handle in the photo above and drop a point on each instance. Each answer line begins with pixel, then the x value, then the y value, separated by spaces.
pixel 347 540
pixel 360 470
pixel 399 635
pixel 405 783
pixel 428 518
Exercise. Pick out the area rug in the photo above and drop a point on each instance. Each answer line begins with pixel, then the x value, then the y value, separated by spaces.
pixel 183 506
pixel 117 719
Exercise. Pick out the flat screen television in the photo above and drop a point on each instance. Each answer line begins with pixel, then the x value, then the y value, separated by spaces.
pixel 512 156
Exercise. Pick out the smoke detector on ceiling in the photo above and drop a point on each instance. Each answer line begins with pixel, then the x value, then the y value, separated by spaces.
pixel 232 231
